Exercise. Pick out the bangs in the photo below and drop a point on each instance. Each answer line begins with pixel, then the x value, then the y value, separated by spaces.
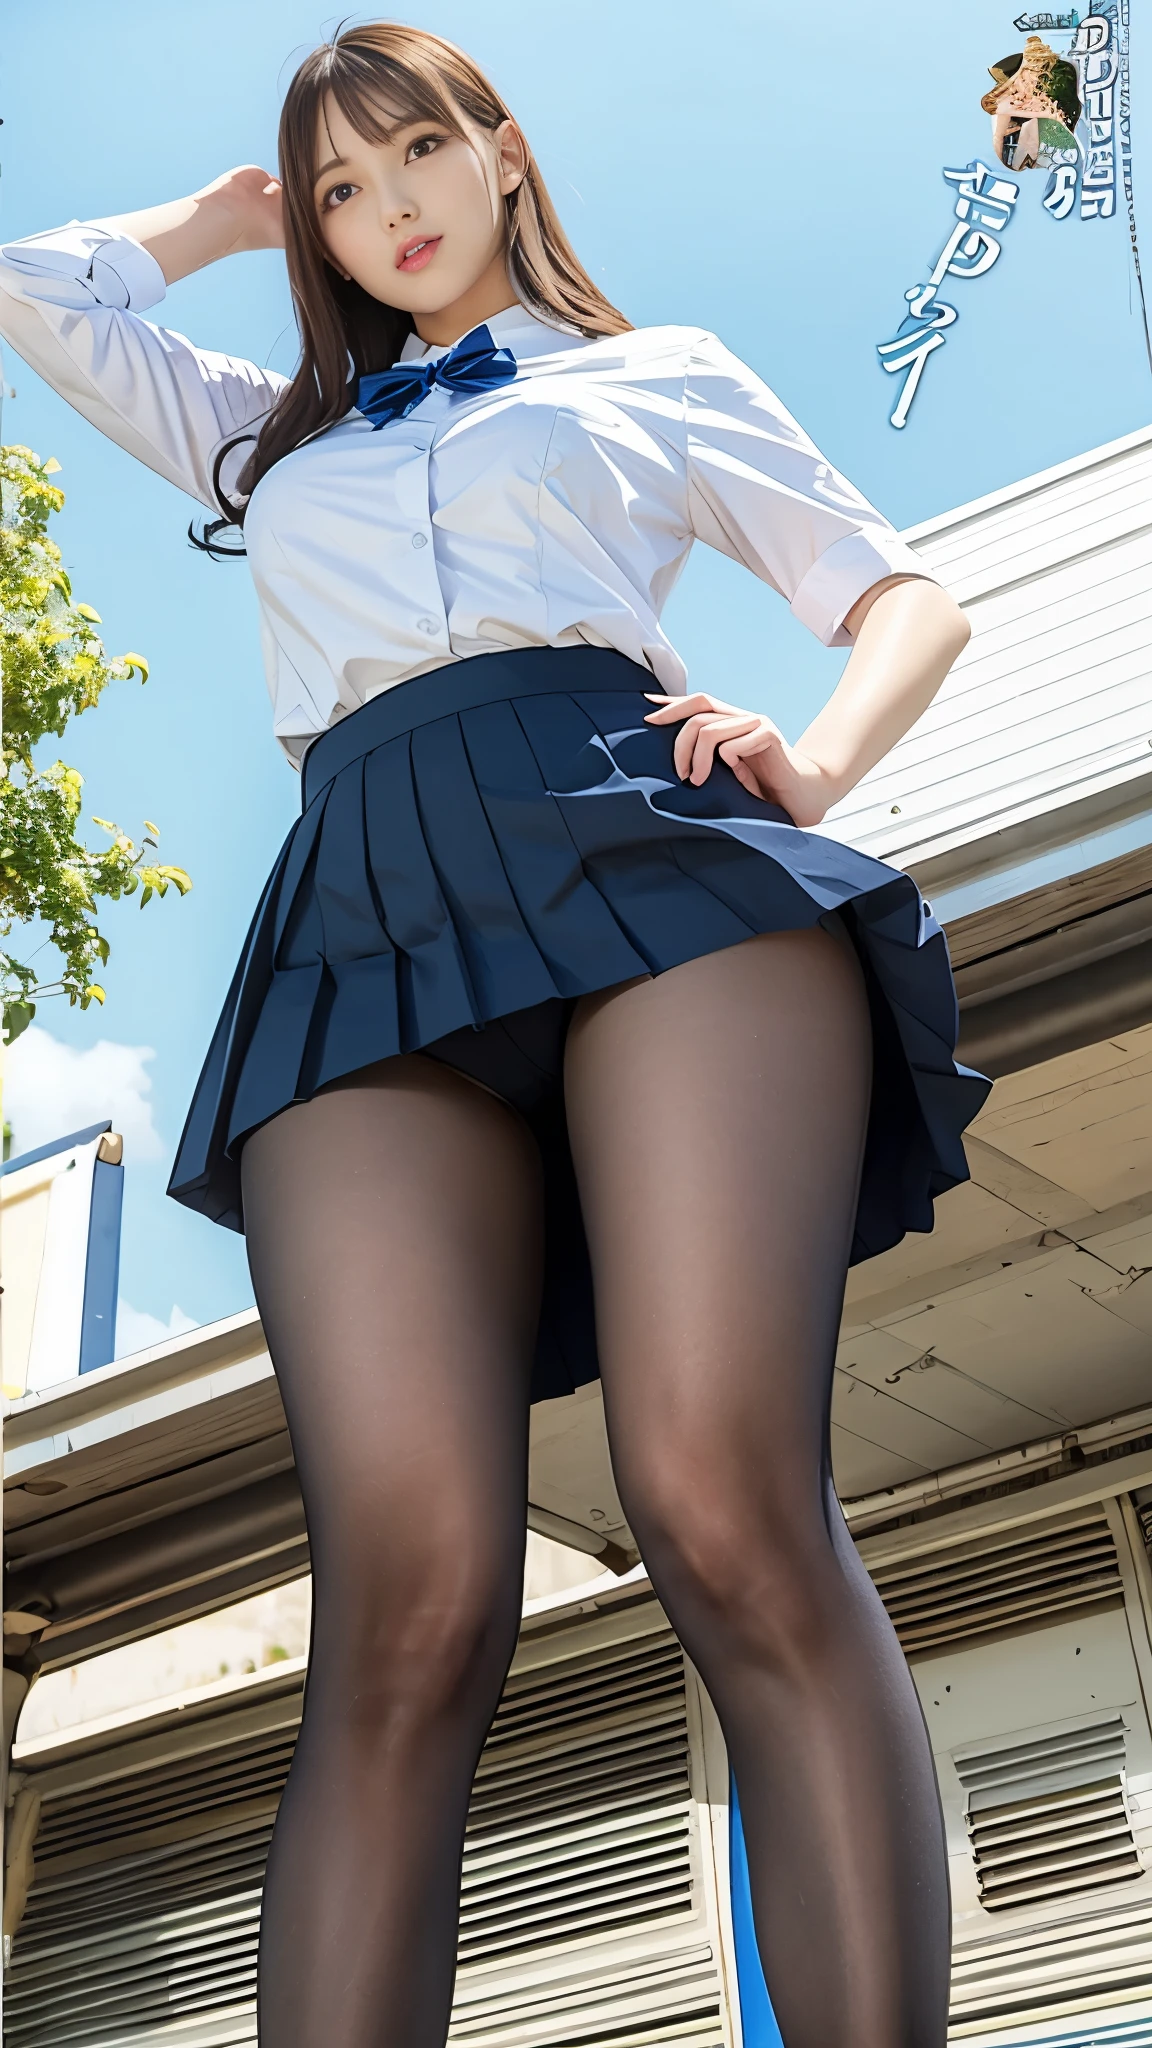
pixel 379 95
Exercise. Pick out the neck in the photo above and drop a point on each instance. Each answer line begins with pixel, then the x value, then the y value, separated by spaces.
pixel 491 294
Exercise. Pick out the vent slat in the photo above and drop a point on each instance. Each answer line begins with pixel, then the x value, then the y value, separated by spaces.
pixel 955 1580
pixel 928 1604
pixel 1000 1583
pixel 1038 1774
pixel 1025 1894
pixel 1030 1842
pixel 1077 1761
pixel 1103 1847
pixel 1010 1552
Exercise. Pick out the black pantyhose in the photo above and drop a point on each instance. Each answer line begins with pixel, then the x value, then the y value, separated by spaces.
pixel 394 1242
pixel 717 1118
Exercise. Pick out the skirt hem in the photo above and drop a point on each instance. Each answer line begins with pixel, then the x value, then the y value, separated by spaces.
pixel 526 844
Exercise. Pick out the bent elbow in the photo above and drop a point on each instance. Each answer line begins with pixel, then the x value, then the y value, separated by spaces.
pixel 955 625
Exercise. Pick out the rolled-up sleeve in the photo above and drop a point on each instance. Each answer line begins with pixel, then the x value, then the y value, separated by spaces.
pixel 71 302
pixel 760 491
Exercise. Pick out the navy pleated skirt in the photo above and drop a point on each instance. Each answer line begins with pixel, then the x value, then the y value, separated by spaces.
pixel 483 845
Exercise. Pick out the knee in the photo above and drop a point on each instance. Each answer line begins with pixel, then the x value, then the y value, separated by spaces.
pixel 417 1640
pixel 743 1580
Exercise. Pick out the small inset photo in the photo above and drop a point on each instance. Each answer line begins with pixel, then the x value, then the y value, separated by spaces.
pixel 1035 106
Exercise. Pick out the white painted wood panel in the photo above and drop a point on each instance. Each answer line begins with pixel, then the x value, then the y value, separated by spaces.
pixel 1052 700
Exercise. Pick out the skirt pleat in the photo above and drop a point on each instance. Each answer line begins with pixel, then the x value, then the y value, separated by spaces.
pixel 571 923
pixel 431 975
pixel 479 848
pixel 505 968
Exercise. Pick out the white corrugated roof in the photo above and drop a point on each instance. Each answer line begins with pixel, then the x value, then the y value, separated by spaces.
pixel 1051 702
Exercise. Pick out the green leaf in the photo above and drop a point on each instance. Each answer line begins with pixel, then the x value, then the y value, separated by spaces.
pixel 86 612
pixel 17 1016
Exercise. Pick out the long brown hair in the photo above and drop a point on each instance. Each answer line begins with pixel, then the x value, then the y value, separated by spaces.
pixel 345 332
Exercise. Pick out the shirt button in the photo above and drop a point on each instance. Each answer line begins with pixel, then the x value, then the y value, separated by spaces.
pixel 426 625
pixel 419 540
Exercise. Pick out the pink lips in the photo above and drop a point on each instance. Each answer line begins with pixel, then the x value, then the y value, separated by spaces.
pixel 417 251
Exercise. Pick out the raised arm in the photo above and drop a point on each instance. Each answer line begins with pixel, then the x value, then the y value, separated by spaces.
pixel 240 210
pixel 71 302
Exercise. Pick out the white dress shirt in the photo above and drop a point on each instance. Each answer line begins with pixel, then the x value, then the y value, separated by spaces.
pixel 554 510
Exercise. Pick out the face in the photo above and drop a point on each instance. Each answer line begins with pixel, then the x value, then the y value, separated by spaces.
pixel 417 221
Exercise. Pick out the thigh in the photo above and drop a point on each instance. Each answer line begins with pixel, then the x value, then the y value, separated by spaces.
pixel 393 1228
pixel 717 1116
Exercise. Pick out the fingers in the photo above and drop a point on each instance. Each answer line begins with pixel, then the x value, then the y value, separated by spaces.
pixel 709 726
pixel 766 746
pixel 699 738
pixel 763 740
pixel 672 708
pixel 744 774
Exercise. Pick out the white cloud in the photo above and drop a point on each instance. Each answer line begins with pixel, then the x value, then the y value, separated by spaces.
pixel 136 1330
pixel 51 1089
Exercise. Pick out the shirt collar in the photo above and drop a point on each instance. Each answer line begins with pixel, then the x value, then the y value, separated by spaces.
pixel 515 328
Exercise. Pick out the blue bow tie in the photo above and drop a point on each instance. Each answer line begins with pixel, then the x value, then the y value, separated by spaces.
pixel 475 364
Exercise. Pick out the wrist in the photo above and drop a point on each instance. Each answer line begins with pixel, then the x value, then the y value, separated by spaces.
pixel 231 210
pixel 228 214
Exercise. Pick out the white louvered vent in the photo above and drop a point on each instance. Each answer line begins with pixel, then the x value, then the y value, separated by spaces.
pixel 1048 1817
pixel 580 1815
pixel 1111 2034
pixel 1001 1582
pixel 1099 1955
pixel 580 1827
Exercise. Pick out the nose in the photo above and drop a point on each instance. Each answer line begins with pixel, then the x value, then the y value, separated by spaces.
pixel 397 210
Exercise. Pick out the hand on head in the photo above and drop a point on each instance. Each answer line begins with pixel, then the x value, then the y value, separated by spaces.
pixel 254 199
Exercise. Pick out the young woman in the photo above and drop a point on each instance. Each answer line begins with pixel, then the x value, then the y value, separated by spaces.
pixel 550 986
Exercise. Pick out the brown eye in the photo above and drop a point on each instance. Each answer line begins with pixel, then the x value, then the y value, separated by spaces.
pixel 338 195
pixel 422 147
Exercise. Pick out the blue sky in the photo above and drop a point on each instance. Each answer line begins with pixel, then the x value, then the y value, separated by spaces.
pixel 770 172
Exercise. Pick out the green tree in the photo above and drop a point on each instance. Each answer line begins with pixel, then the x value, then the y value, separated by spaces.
pixel 54 667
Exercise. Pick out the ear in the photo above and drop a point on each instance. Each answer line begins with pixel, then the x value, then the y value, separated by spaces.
pixel 513 156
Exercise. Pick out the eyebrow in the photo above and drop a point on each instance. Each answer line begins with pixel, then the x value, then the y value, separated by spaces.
pixel 334 163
